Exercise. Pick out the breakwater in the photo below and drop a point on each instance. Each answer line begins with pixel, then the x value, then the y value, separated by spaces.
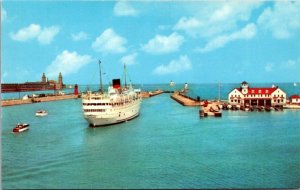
pixel 185 100
pixel 13 102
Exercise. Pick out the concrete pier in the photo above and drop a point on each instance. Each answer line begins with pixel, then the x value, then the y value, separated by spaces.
pixel 150 93
pixel 37 99
pixel 185 100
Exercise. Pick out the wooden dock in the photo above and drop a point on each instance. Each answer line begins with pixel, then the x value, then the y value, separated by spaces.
pixel 13 102
pixel 185 100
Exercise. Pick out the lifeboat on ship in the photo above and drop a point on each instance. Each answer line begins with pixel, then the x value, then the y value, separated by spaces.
pixel 20 127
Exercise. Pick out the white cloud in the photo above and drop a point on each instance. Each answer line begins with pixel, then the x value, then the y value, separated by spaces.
pixel 109 42
pixel 269 67
pixel 247 32
pixel 283 20
pixel 163 44
pixel 79 36
pixel 175 66
pixel 129 59
pixel 123 8
pixel 3 14
pixel 34 31
pixel 189 25
pixel 290 63
pixel 67 63
pixel 215 19
pixel 27 33
pixel 47 34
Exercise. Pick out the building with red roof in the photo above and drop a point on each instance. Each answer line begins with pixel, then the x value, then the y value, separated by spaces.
pixel 246 95
pixel 295 99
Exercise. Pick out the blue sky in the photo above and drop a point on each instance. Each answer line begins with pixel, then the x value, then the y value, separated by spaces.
pixel 183 41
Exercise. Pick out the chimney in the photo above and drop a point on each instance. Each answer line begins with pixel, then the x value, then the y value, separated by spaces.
pixel 116 83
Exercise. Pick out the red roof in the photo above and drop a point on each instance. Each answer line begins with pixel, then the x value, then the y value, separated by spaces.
pixel 259 90
pixel 295 96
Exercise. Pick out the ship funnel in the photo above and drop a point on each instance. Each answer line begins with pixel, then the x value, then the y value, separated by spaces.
pixel 116 83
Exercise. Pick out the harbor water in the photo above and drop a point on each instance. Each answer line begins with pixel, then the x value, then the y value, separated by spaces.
pixel 167 146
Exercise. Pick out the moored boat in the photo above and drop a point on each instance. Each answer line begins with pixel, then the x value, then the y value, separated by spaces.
pixel 20 127
pixel 210 110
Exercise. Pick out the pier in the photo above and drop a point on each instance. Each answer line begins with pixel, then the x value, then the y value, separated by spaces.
pixel 13 102
pixel 185 100
pixel 151 93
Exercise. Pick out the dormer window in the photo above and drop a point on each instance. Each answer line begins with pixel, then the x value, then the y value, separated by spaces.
pixel 252 91
pixel 259 91
pixel 267 91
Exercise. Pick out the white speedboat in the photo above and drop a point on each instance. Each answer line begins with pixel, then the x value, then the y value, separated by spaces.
pixel 20 127
pixel 41 113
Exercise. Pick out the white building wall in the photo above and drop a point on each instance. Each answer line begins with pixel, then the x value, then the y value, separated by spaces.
pixel 237 97
pixel 296 100
pixel 278 100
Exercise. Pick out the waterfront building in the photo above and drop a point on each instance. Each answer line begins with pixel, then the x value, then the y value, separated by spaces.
pixel 44 84
pixel 295 99
pixel 264 96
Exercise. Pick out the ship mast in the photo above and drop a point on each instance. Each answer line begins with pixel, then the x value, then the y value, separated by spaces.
pixel 125 75
pixel 100 77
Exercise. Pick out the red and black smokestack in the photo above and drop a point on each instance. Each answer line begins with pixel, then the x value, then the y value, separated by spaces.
pixel 116 83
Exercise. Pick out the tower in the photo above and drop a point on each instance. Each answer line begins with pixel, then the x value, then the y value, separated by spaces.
pixel 244 87
pixel 60 81
pixel 44 78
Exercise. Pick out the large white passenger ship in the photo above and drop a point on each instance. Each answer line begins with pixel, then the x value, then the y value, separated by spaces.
pixel 114 106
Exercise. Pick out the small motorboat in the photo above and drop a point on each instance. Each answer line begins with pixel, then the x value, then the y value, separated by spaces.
pixel 21 127
pixel 41 113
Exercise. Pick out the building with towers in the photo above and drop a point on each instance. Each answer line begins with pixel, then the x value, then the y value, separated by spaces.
pixel 44 84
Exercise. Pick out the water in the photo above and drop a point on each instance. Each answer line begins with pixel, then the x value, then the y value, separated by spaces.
pixel 167 146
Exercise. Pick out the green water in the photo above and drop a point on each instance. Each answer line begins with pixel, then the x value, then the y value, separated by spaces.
pixel 167 146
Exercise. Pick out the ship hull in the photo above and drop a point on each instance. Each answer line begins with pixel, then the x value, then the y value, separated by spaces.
pixel 98 122
pixel 114 115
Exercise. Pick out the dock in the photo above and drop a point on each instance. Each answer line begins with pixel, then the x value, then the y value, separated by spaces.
pixel 151 93
pixel 13 102
pixel 185 100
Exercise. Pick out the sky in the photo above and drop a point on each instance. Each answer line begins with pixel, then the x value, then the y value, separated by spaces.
pixel 159 41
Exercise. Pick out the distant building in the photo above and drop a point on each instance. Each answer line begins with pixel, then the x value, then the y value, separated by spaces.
pixel 295 99
pixel 44 84
pixel 245 95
